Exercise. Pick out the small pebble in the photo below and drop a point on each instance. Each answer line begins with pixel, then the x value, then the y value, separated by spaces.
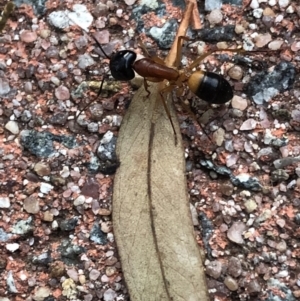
pixel 235 232
pixel 215 17
pixel 109 295
pixel 129 2
pixel 13 127
pixel 4 202
pixel 110 271
pixel 48 216
pixel 275 45
pixel 214 269
pixel 73 274
pixel 62 93
pixel 28 36
pixel 250 205
pixel 236 72
pixel 41 293
pixel 253 287
pixel 234 267
pixel 12 247
pixel 254 4
pixel 79 201
pixel 42 169
pixel 94 274
pixel 65 172
pixel 28 87
pixel 268 12
pixel 231 283
pixel 119 13
pixel 281 246
pixel 283 3
pixel 295 46
pixel 31 205
pixel 262 40
pixel 239 103
pixel 249 124
pixel 272 2
pixel 45 188
pixel 257 13
pixel 82 279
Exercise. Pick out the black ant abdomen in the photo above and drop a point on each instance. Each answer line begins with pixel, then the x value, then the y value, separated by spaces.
pixel 210 86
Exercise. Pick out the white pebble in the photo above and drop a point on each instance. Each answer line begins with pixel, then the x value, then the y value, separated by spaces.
pixel 257 13
pixel 119 13
pixel 283 3
pixel 12 247
pixel 275 45
pixel 13 127
pixel 45 188
pixel 215 17
pixel 79 201
pixel 65 172
pixel 254 4
pixel 279 18
pixel 4 202
pixel 290 10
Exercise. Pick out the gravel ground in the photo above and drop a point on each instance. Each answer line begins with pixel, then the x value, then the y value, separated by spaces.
pixel 56 173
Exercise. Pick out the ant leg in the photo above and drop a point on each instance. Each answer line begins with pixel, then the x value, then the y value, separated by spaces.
pixel 166 90
pixel 156 59
pixel 194 117
pixel 86 106
pixel 202 57
pixel 179 50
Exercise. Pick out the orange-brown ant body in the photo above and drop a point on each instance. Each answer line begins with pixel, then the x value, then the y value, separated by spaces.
pixel 209 86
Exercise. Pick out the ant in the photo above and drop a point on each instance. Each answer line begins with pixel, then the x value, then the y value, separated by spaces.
pixel 209 86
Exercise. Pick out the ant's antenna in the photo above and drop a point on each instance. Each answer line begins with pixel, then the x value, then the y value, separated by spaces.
pixel 102 82
pixel 99 45
pixel 86 106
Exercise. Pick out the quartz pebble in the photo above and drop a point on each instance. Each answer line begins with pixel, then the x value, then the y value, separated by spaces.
pixel 283 3
pixel 42 169
pixel 234 267
pixel 248 125
pixel 28 36
pixel 235 232
pixel 13 127
pixel 45 188
pixel 4 202
pixel 236 72
pixel 231 283
pixel 215 17
pixel 31 205
pixel 214 269
pixel 129 2
pixel 109 295
pixel 239 103
pixel 12 247
pixel 62 93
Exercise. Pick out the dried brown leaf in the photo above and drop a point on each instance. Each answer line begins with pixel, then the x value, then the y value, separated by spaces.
pixel 152 222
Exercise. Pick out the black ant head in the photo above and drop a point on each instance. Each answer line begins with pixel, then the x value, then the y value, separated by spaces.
pixel 121 65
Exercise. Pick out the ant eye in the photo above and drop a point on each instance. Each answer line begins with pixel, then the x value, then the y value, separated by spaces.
pixel 121 65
